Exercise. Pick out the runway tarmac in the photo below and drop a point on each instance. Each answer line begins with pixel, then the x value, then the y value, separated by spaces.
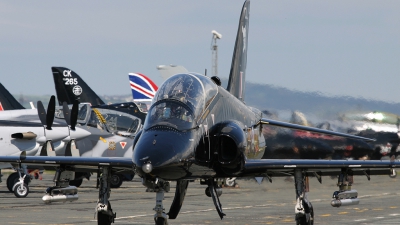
pixel 251 203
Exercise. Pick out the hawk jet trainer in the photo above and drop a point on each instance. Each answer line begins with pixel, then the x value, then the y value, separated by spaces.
pixel 196 129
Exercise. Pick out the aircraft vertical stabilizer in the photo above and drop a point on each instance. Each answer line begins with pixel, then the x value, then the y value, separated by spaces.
pixel 236 83
pixel 7 101
pixel 70 87
pixel 143 88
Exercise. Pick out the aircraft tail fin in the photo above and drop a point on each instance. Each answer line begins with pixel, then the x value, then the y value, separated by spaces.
pixel 143 88
pixel 70 87
pixel 236 83
pixel 7 101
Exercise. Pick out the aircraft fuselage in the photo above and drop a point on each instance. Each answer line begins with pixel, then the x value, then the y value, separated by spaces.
pixel 214 141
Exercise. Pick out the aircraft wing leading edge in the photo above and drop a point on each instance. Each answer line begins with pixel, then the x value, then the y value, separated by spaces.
pixel 254 167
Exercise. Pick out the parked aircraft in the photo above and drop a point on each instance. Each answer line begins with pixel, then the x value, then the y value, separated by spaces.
pixel 197 129
pixel 167 71
pixel 7 101
pixel 285 143
pixel 26 131
pixel 70 86
pixel 382 126
pixel 143 88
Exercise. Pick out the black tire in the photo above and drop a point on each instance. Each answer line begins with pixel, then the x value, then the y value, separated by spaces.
pixel 160 221
pixel 302 220
pixel 21 192
pixel 116 180
pixel 14 178
pixel 104 219
pixel 76 183
pixel 11 180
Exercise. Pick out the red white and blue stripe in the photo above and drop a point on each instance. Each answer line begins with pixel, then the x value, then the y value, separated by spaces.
pixel 143 89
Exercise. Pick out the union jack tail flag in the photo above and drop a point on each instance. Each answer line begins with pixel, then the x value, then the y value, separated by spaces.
pixel 143 89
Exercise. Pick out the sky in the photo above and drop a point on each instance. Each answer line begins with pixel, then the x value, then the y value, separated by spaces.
pixel 336 48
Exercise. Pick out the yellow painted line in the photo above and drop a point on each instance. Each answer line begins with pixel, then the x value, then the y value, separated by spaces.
pixel 393 207
pixel 341 213
pixel 326 215
pixel 379 209
pixel 360 211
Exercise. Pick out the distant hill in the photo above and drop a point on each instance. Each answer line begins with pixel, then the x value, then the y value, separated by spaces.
pixel 269 97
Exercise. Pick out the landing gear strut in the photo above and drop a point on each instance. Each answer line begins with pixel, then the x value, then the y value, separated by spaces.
pixel 303 209
pixel 160 187
pixel 105 215
pixel 18 182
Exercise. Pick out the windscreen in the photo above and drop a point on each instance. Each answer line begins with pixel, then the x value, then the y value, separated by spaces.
pixel 184 88
pixel 170 113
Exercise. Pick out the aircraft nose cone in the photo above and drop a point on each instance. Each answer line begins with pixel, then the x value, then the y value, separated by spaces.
pixel 160 153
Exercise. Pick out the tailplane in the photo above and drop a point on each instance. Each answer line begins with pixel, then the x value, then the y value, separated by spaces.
pixel 167 71
pixel 236 83
pixel 70 87
pixel 7 101
pixel 143 88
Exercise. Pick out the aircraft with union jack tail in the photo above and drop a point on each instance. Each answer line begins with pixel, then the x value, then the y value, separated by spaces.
pixel 143 88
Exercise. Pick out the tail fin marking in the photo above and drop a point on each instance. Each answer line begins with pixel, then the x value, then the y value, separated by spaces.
pixel 143 88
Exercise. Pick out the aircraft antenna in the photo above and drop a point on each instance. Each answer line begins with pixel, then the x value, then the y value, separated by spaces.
pixel 214 50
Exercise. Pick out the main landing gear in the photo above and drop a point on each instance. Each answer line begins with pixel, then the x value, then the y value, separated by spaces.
pixel 105 214
pixel 304 212
pixel 214 190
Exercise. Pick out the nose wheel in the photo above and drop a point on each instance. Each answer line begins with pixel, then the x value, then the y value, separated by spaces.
pixel 21 190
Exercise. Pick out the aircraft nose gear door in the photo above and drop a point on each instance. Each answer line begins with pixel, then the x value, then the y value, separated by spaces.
pixel 303 210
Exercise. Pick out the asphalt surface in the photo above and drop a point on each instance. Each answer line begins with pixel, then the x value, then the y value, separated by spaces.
pixel 250 203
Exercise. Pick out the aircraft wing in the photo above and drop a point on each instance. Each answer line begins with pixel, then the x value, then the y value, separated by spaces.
pixel 310 129
pixel 120 164
pixel 285 167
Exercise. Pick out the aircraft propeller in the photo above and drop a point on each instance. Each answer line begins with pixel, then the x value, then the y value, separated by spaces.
pixel 47 118
pixel 71 117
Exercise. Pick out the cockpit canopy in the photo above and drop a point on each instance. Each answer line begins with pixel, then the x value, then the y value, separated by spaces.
pixel 193 90
pixel 181 100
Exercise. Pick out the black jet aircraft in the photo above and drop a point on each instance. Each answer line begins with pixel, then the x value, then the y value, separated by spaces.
pixel 195 129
